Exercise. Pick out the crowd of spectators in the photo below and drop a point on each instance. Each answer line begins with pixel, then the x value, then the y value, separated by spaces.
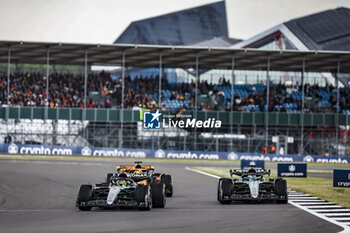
pixel 67 90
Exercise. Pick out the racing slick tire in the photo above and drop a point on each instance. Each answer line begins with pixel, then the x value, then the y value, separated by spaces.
pixel 167 181
pixel 224 189
pixel 143 195
pixel 84 195
pixel 281 191
pixel 158 195
pixel 108 177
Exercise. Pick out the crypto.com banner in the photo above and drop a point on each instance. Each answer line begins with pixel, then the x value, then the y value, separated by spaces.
pixel 171 154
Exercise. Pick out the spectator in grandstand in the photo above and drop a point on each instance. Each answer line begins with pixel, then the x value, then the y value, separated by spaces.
pixel 67 90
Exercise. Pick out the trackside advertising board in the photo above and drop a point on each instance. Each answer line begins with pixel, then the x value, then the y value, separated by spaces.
pixel 90 151
pixel 341 178
pixel 292 170
pixel 258 163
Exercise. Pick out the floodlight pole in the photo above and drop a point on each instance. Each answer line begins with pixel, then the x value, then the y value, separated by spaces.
pixel 337 114
pixel 302 107
pixel 232 98
pixel 196 102
pixel 267 103
pixel 121 113
pixel 47 102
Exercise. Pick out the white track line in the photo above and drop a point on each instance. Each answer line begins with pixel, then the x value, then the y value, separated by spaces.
pixel 37 211
pixel 305 208
pixel 333 210
pixel 203 173
pixel 338 214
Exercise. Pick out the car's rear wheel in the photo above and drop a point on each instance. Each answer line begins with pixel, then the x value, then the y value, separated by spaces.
pixel 84 195
pixel 167 181
pixel 281 191
pixel 143 197
pixel 158 195
pixel 224 190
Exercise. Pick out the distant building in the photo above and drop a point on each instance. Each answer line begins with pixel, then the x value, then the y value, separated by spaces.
pixel 326 30
pixel 179 28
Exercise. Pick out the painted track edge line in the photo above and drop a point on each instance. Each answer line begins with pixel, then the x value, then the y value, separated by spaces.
pixel 346 228
pixel 203 173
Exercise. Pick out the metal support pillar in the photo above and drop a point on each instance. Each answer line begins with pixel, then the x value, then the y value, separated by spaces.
pixel 160 92
pixel 302 108
pixel 47 102
pixel 232 98
pixel 338 110
pixel 8 87
pixel 267 103
pixel 160 79
pixel 196 101
pixel 121 112
pixel 85 91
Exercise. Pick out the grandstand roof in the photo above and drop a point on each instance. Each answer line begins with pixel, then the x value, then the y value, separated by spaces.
pixel 174 56
pixel 178 28
pixel 327 30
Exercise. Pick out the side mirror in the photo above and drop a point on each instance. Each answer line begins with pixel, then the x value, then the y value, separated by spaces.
pixel 232 171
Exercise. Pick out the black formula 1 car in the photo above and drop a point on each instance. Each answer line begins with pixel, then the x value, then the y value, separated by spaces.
pixel 121 191
pixel 144 174
pixel 252 186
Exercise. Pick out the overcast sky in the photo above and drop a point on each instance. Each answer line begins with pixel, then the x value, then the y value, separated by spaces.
pixel 102 21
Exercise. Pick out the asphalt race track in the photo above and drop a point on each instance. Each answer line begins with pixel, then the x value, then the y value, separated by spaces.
pixel 39 196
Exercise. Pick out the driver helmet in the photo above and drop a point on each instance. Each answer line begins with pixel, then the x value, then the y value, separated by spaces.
pixel 252 164
pixel 123 175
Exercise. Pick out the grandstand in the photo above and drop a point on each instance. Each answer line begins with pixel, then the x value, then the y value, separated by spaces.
pixel 258 90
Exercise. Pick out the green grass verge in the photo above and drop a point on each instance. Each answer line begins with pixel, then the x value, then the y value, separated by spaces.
pixel 233 163
pixel 318 187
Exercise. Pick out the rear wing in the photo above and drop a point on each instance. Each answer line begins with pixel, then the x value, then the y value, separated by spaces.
pixel 129 168
pixel 250 171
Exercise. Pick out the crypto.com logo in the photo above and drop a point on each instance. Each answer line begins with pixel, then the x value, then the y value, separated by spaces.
pixel 291 168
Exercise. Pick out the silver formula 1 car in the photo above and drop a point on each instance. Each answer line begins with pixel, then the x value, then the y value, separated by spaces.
pixel 252 186
pixel 121 191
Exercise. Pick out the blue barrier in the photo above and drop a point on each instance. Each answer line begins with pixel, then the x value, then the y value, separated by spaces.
pixel 292 170
pixel 172 154
pixel 341 178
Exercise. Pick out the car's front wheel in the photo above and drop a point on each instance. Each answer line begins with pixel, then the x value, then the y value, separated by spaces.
pixel 281 191
pixel 224 191
pixel 143 197
pixel 84 195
